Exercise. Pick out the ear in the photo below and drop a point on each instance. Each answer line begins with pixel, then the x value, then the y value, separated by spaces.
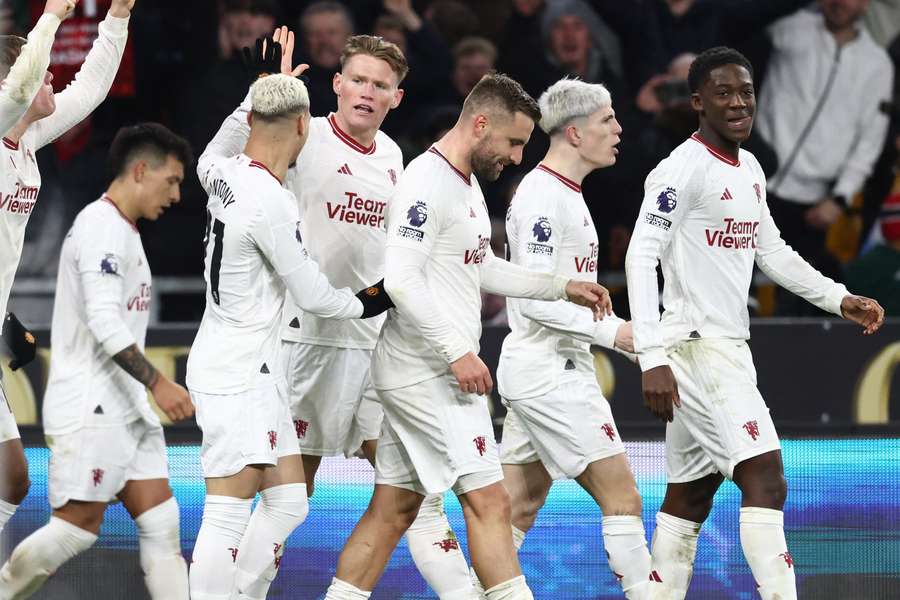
pixel 479 124
pixel 301 126
pixel 138 170
pixel 250 118
pixel 336 83
pixel 573 136
pixel 398 96
pixel 696 102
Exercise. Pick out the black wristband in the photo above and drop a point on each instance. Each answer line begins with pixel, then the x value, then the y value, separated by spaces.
pixel 19 340
pixel 374 300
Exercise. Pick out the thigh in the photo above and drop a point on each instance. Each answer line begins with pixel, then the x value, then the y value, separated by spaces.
pixel 13 465
pixel 288 470
pixel 722 408
pixel 84 515
pixel 366 426
pixel 8 428
pixel 515 445
pixel 326 385
pixel 90 464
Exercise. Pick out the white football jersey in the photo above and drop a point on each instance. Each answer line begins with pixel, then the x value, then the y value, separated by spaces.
pixel 102 306
pixel 253 251
pixel 20 180
pixel 342 189
pixel 549 228
pixel 438 211
pixel 705 219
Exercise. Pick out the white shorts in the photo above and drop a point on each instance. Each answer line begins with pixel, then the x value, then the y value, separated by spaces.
pixel 333 405
pixel 723 419
pixel 435 438
pixel 566 429
pixel 8 428
pixel 249 428
pixel 93 464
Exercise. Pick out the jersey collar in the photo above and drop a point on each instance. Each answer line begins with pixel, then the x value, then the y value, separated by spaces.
pixel 715 152
pixel 462 175
pixel 106 198
pixel 562 179
pixel 348 139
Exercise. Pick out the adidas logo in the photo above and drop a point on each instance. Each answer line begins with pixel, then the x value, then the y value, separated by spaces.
pixel 295 323
pixel 570 366
pixel 472 213
pixel 98 410
pixel 345 170
pixel 727 195
pixel 264 369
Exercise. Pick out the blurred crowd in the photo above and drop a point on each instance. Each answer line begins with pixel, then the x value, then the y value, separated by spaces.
pixel 827 130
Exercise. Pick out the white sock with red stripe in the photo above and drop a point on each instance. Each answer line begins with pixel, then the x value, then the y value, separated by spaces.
pixel 436 552
pixel 626 548
pixel 762 538
pixel 216 550
pixel 673 551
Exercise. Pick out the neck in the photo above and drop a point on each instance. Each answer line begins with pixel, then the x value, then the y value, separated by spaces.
pixel 363 136
pixel 270 150
pixel 457 148
pixel 842 34
pixel 15 134
pixel 124 196
pixel 565 160
pixel 717 141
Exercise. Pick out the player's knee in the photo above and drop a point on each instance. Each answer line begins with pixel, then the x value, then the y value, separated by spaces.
pixel 627 501
pixel 288 502
pixel 158 535
pixel 491 503
pixel 19 486
pixel 525 510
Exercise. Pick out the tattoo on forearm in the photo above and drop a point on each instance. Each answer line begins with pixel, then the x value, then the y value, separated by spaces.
pixel 133 361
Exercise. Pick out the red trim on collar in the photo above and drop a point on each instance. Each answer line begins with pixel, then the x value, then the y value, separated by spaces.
pixel 562 178
pixel 462 175
pixel 348 139
pixel 715 152
pixel 259 165
pixel 10 144
pixel 106 198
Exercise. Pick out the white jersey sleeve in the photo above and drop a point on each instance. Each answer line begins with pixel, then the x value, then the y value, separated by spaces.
pixel 27 74
pixel 91 84
pixel 789 270
pixel 669 191
pixel 102 305
pixel 229 141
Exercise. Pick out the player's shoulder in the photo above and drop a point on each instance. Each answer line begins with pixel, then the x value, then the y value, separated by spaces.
pixel 101 221
pixel 536 191
pixel 748 158
pixel 687 162
pixel 387 148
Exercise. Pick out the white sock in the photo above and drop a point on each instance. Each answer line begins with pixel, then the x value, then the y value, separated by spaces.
pixel 159 538
pixel 518 537
pixel 762 538
pixel 281 509
pixel 7 510
pixel 341 590
pixel 512 589
pixel 626 547
pixel 673 551
pixel 436 551
pixel 215 552
pixel 39 555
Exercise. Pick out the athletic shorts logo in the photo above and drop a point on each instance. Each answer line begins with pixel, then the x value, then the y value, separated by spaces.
pixel 417 214
pixel 667 200
pixel 788 559
pixel 233 554
pixel 109 264
pixel 542 230
pixel 273 439
pixel 393 175
pixel 752 429
pixel 278 554
pixel 300 426
pixel 758 191
pixel 609 431
pixel 297 233
pixel 480 445
pixel 657 221
pixel 448 544
pixel 97 476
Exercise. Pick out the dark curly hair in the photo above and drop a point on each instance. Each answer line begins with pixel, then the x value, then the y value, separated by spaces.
pixel 714 58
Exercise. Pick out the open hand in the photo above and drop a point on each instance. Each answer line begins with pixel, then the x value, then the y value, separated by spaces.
pixel 285 37
pixel 865 311
pixel 590 294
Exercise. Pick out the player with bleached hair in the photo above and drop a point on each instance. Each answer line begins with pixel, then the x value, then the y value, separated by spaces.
pixel 437 433
pixel 558 424
pixel 343 180
pixel 31 117
pixel 705 219
pixel 254 255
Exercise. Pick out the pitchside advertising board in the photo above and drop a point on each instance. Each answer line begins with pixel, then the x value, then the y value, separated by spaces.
pixel 812 372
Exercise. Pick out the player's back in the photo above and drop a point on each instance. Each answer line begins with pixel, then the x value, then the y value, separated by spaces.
pixel 438 211
pixel 342 189
pixel 549 228
pixel 104 279
pixel 238 335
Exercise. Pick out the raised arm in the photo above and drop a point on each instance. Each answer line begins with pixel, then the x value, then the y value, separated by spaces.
pixel 229 141
pixel 26 75
pixel 93 80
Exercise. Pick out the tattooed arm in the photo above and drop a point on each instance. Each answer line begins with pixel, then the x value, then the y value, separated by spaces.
pixel 172 398
pixel 133 362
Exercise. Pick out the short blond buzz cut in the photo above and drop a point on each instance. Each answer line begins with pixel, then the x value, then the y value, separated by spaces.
pixel 376 47
pixel 570 99
pixel 499 93
pixel 278 97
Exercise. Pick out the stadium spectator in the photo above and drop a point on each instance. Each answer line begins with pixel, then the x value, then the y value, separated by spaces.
pixel 877 273
pixel 473 58
pixel 325 27
pixel 452 19
pixel 826 126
